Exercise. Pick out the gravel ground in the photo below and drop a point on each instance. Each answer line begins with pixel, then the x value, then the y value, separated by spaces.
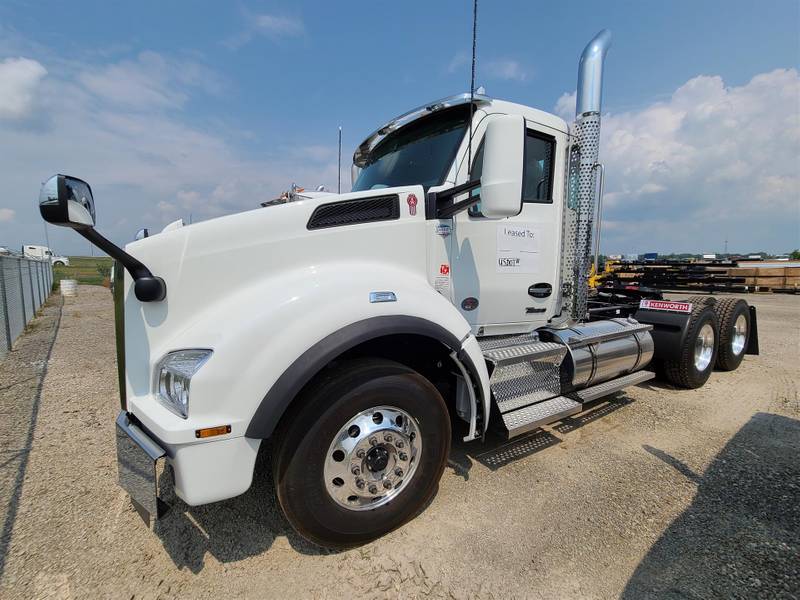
pixel 654 493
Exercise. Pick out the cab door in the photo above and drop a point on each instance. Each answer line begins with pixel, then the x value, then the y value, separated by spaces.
pixel 505 272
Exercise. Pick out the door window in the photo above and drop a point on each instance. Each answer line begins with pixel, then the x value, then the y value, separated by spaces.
pixel 537 177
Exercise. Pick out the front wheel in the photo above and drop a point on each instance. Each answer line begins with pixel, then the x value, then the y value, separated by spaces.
pixel 362 454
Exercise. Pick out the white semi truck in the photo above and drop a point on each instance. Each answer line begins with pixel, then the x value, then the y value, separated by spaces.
pixel 446 294
pixel 44 253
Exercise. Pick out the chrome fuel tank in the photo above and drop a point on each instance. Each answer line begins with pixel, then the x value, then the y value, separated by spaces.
pixel 601 350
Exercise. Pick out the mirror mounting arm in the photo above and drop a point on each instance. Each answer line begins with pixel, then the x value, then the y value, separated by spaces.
pixel 147 287
pixel 441 202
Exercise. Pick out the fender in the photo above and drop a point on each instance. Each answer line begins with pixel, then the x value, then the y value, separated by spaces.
pixel 289 313
pixel 315 358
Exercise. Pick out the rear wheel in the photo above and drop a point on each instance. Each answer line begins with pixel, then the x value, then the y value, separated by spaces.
pixel 734 332
pixel 363 454
pixel 698 353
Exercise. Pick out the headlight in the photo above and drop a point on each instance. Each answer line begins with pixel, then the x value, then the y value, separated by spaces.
pixel 173 376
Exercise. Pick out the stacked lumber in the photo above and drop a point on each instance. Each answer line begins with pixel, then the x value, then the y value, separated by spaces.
pixel 764 279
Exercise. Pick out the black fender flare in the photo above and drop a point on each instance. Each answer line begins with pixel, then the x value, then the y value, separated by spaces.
pixel 312 361
pixel 669 331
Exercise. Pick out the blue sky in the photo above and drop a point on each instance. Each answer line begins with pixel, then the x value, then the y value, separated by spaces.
pixel 177 108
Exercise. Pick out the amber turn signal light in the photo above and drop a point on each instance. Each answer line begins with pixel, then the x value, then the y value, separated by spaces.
pixel 212 431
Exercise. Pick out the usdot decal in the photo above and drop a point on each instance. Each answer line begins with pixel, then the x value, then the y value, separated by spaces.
pixel 681 307
pixel 443 229
pixel 412 204
pixel 517 246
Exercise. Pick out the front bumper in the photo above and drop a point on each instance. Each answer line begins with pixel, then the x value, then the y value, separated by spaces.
pixel 140 465
pixel 199 473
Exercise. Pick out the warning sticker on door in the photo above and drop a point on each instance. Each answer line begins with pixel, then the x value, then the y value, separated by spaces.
pixel 517 246
pixel 442 285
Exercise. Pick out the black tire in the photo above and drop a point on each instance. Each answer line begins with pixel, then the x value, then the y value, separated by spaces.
pixel 702 300
pixel 683 372
pixel 728 311
pixel 304 437
pixel 58 263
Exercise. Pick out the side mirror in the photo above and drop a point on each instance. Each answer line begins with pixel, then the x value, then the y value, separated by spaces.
pixel 67 201
pixel 503 159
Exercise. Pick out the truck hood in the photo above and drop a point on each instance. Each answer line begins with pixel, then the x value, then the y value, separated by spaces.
pixel 206 263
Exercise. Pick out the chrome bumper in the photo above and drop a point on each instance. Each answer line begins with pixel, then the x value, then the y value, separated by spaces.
pixel 140 464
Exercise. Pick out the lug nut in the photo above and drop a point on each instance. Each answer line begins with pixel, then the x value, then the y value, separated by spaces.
pixel 399 443
pixel 387 437
pixel 387 484
pixel 398 471
pixel 403 456
pixel 373 489
pixel 360 483
pixel 373 441
pixel 361 454
pixel 355 471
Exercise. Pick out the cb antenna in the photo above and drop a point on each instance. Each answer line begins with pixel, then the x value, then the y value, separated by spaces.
pixel 339 185
pixel 472 85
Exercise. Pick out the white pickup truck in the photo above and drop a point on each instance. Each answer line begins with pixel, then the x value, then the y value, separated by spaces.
pixel 446 294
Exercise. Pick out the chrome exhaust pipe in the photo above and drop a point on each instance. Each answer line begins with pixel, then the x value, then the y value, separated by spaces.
pixel 590 74
pixel 582 180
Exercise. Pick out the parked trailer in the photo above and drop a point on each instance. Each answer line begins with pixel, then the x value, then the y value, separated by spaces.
pixel 447 292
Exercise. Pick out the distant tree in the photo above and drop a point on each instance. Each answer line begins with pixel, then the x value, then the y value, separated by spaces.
pixel 795 255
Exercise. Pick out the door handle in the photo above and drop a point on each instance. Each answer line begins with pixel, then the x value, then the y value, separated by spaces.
pixel 540 290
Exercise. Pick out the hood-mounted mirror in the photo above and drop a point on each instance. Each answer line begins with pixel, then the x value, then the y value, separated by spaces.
pixel 68 202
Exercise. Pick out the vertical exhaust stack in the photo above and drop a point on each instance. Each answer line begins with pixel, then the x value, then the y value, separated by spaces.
pixel 582 180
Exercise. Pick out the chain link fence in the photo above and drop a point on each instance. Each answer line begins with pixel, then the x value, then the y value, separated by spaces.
pixel 24 286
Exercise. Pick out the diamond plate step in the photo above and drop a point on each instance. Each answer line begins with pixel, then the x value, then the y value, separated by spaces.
pixel 524 383
pixel 503 341
pixel 615 385
pixel 529 418
pixel 538 351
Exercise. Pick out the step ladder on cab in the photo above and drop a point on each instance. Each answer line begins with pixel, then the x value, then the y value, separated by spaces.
pixel 543 377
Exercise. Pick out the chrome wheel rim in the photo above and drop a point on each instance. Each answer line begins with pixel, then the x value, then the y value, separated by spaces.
pixel 739 335
pixel 704 347
pixel 372 458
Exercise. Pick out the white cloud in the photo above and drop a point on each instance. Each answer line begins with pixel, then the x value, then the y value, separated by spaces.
pixel 149 82
pixel 7 215
pixel 504 68
pixel 712 162
pixel 500 68
pixel 274 27
pixel 565 106
pixel 459 60
pixel 146 164
pixel 20 79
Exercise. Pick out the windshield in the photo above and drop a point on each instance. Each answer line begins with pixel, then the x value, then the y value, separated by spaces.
pixel 418 154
